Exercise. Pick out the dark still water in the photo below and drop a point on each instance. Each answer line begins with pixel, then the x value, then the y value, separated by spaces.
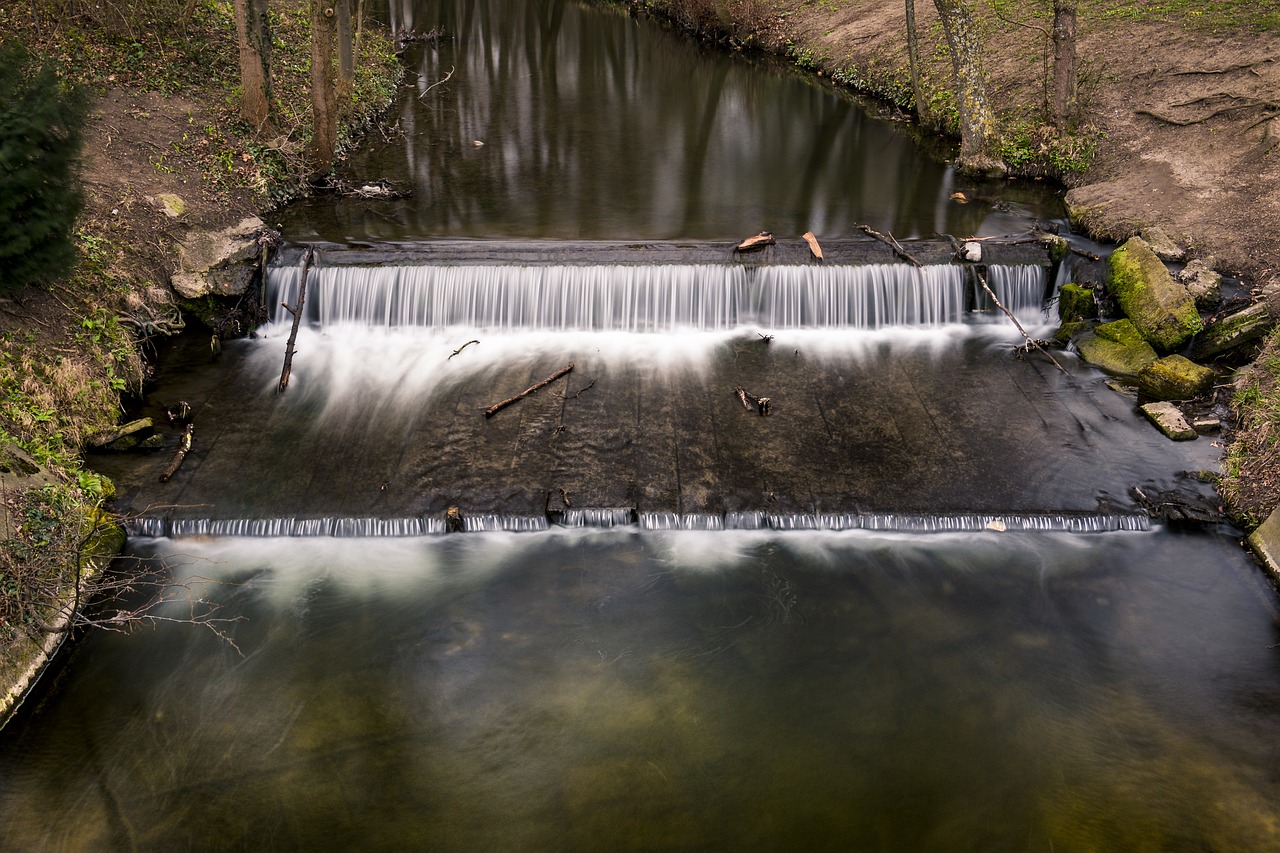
pixel 593 124
pixel 680 691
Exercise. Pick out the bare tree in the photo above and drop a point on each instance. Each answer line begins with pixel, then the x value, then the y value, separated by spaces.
pixel 1065 75
pixel 977 123
pixel 253 34
pixel 324 96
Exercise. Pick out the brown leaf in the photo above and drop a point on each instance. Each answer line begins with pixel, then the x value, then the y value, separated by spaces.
pixel 813 244
pixel 764 238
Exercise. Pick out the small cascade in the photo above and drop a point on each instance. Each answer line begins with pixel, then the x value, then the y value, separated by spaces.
pixel 648 298
pixel 610 517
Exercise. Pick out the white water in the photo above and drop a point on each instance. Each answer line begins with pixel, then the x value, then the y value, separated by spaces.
pixel 648 299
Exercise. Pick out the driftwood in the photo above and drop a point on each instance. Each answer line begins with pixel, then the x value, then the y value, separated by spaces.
pixel 461 348
pixel 453 521
pixel 1032 343
pixel 764 238
pixel 183 449
pixel 813 244
pixel 532 389
pixel 444 79
pixel 893 244
pixel 762 405
pixel 296 311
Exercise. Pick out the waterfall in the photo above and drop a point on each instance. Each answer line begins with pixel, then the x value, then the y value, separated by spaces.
pixel 649 298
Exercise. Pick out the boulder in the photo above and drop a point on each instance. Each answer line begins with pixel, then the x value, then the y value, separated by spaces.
pixel 1202 282
pixel 222 263
pixel 1174 378
pixel 1162 244
pixel 1076 303
pixel 169 204
pixel 1169 420
pixel 1117 348
pixel 1162 310
pixel 1227 333
pixel 1265 542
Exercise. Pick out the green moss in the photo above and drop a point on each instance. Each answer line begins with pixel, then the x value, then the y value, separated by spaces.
pixel 1162 310
pixel 1076 303
pixel 1124 358
pixel 1175 378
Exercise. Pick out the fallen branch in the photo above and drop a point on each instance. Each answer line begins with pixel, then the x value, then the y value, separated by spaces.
pixel 461 348
pixel 532 389
pixel 590 385
pixel 183 449
pixel 444 79
pixel 297 319
pixel 763 405
pixel 893 244
pixel 1031 342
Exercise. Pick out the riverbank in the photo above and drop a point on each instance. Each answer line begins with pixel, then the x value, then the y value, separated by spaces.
pixel 166 157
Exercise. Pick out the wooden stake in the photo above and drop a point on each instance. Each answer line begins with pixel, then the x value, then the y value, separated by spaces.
pixel 532 389
pixel 297 319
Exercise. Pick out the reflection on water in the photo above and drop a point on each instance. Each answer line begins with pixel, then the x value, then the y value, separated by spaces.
pixel 611 690
pixel 594 124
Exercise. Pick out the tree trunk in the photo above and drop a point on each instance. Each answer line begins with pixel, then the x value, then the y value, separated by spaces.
pixel 346 56
pixel 913 53
pixel 1064 64
pixel 977 124
pixel 324 97
pixel 253 34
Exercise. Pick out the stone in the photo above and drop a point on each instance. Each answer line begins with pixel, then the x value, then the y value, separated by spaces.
pixel 1169 420
pixel 169 204
pixel 1175 378
pixel 1234 330
pixel 1117 348
pixel 1162 244
pixel 1059 248
pixel 1068 331
pixel 1161 309
pixel 1076 303
pixel 1202 282
pixel 1204 426
pixel 152 442
pixel 1265 542
pixel 221 263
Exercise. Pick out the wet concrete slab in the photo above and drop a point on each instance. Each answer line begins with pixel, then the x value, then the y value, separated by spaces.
pixel 952 427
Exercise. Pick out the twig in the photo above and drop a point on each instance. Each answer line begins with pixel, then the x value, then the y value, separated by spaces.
pixel 763 405
pixel 1031 342
pixel 590 385
pixel 183 449
pixel 893 244
pixel 461 348
pixel 444 79
pixel 532 389
pixel 297 319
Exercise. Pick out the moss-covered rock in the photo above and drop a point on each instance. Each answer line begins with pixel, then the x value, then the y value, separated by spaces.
pixel 1174 378
pixel 1232 331
pixel 1162 310
pixel 1076 303
pixel 1169 420
pixel 1117 348
pixel 1068 332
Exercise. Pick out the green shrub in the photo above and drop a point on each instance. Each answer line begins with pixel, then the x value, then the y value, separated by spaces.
pixel 40 123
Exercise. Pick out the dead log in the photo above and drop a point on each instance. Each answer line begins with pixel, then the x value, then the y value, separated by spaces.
pixel 183 449
pixel 532 389
pixel 813 244
pixel 296 311
pixel 764 238
pixel 762 405
pixel 888 240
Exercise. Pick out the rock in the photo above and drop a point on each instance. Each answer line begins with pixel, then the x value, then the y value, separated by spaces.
pixel 971 252
pixel 1067 331
pixel 1076 303
pixel 1117 348
pixel 1227 333
pixel 1175 378
pixel 1204 426
pixel 1162 244
pixel 169 204
pixel 222 263
pixel 1169 420
pixel 122 437
pixel 1204 285
pixel 1059 248
pixel 152 442
pixel 18 471
pixel 1265 542
pixel 1162 310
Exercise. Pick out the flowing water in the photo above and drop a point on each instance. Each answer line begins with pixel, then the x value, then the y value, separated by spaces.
pixel 917 607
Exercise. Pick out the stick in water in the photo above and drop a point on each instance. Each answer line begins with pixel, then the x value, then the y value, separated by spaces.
pixel 297 318
pixel 1031 342
pixel 183 449
pixel 532 389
